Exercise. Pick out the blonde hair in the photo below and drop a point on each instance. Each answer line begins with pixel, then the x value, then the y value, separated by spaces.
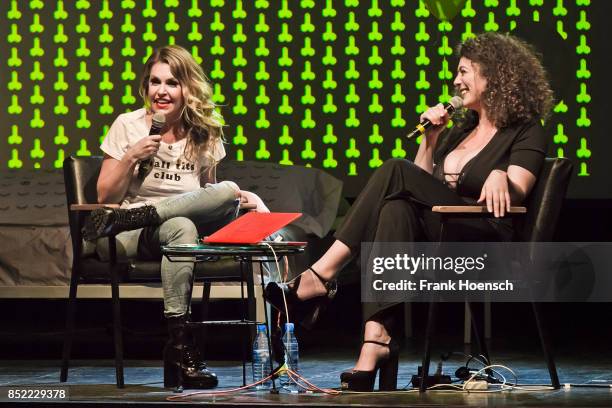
pixel 201 122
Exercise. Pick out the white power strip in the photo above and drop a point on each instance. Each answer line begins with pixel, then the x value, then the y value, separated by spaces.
pixel 477 385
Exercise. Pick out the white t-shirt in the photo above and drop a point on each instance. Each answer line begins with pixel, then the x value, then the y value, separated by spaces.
pixel 172 173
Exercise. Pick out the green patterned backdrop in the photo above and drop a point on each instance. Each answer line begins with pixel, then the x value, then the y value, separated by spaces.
pixel 334 84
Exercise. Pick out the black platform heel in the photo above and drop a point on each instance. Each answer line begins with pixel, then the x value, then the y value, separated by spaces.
pixel 308 311
pixel 192 371
pixel 183 360
pixel 107 221
pixel 363 381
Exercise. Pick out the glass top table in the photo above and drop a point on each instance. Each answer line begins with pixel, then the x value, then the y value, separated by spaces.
pixel 203 251
pixel 245 255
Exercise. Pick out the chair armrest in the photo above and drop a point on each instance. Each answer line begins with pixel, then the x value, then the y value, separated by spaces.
pixel 472 209
pixel 91 207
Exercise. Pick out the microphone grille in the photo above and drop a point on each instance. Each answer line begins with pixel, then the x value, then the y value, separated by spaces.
pixel 159 119
pixel 456 102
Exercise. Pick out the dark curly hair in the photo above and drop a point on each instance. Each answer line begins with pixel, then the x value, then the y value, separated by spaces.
pixel 517 89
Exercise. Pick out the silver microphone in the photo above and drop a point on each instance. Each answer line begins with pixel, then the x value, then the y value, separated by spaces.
pixel 455 103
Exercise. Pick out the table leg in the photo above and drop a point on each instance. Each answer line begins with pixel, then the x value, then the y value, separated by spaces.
pixel 274 390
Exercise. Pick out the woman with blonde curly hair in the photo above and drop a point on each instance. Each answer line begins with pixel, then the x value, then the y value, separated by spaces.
pixel 491 156
pixel 172 200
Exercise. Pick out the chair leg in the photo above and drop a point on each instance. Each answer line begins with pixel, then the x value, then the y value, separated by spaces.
pixel 431 315
pixel 408 320
pixel 70 319
pixel 550 361
pixel 487 320
pixel 479 346
pixel 117 335
pixel 467 324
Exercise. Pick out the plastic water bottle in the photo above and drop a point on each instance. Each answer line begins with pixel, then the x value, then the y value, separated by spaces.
pixel 261 357
pixel 292 356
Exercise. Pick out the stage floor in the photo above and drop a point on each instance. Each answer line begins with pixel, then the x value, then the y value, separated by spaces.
pixel 92 382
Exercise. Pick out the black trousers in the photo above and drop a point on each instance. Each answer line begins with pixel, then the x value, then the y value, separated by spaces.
pixel 395 206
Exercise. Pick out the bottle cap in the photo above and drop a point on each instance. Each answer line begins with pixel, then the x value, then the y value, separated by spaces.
pixel 289 327
pixel 261 328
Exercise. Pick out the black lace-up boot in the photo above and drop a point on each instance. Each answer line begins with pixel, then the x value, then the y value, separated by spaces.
pixel 106 221
pixel 192 369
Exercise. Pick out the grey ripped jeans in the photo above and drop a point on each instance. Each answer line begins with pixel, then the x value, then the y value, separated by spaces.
pixel 185 217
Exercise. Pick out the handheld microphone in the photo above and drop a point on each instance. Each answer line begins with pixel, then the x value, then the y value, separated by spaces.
pixel 145 166
pixel 455 103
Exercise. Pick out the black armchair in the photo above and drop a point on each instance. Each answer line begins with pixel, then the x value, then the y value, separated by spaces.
pixel 535 222
pixel 80 176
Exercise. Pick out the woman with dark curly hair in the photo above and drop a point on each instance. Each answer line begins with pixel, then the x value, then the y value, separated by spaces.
pixel 491 156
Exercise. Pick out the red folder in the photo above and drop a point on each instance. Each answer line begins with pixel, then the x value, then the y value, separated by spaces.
pixel 251 228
